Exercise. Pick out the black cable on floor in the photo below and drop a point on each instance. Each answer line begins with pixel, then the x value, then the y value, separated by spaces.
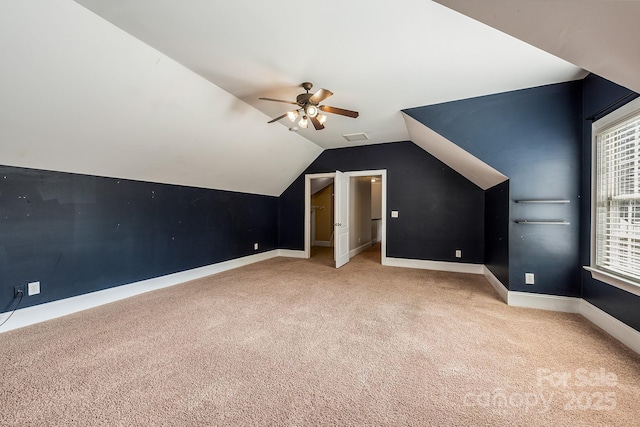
pixel 14 310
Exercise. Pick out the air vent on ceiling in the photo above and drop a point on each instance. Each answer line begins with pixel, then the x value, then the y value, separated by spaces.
pixel 355 136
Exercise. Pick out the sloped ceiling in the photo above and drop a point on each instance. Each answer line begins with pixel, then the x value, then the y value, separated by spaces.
pixel 167 91
pixel 377 57
pixel 465 163
pixel 600 36
pixel 80 95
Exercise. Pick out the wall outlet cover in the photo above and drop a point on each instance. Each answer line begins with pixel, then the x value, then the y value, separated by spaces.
pixel 394 214
pixel 529 279
pixel 33 288
pixel 458 253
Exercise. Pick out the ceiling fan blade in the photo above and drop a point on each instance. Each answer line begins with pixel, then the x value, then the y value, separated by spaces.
pixel 341 111
pixel 316 123
pixel 277 118
pixel 320 96
pixel 279 100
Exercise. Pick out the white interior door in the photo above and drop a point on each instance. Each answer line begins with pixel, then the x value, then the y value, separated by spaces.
pixel 341 218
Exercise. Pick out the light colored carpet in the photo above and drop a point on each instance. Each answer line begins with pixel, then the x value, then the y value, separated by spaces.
pixel 298 343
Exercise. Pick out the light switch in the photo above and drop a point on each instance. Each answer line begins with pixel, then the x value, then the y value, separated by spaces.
pixel 394 214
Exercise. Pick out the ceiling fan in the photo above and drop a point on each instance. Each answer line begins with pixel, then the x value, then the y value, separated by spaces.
pixel 308 108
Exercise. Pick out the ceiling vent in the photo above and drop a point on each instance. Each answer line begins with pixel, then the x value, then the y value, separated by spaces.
pixel 351 137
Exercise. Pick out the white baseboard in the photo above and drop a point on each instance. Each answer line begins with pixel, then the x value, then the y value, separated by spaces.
pixel 497 284
pixel 533 300
pixel 614 327
pixel 51 310
pixel 40 313
pixel 456 267
pixel 290 253
pixel 359 249
pixel 544 302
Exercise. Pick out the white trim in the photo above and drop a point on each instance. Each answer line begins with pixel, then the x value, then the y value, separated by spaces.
pixel 290 253
pixel 617 115
pixel 614 280
pixel 614 327
pixel 307 207
pixel 51 310
pixel 455 267
pixel 544 302
pixel 502 290
pixel 532 300
pixel 359 249
pixel 610 119
pixel 382 173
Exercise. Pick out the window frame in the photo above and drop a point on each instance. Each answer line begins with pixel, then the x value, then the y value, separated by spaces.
pixel 625 112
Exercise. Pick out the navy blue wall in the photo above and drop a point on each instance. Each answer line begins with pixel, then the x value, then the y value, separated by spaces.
pixel 496 231
pixel 77 234
pixel 534 137
pixel 439 210
pixel 600 98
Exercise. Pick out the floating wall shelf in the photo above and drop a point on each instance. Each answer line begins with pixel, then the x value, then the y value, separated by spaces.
pixel 543 201
pixel 541 222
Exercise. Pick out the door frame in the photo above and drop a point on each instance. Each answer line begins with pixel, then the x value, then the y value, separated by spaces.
pixel 382 173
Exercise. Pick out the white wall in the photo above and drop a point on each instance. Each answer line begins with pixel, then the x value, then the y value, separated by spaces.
pixel 376 199
pixel 359 212
pixel 376 211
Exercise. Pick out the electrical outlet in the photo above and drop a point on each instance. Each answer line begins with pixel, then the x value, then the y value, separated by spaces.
pixel 255 246
pixel 529 279
pixel 18 291
pixel 458 253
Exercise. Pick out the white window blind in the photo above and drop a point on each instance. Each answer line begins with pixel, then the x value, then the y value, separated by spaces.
pixel 618 198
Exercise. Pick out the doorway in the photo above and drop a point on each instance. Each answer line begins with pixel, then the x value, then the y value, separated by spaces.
pixel 361 222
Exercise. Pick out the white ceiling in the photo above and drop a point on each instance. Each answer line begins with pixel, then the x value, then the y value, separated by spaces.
pixel 376 57
pixel 601 36
pixel 79 95
pixel 174 97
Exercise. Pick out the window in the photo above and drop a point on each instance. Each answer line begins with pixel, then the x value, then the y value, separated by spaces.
pixel 616 240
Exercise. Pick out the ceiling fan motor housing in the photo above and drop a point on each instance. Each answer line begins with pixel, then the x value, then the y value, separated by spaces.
pixel 303 99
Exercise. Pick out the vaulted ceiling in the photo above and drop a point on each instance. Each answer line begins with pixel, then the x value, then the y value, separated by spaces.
pixel 168 91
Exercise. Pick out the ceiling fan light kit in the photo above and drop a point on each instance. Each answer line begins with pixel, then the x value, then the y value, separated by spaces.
pixel 308 104
pixel 311 110
pixel 293 115
pixel 303 122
